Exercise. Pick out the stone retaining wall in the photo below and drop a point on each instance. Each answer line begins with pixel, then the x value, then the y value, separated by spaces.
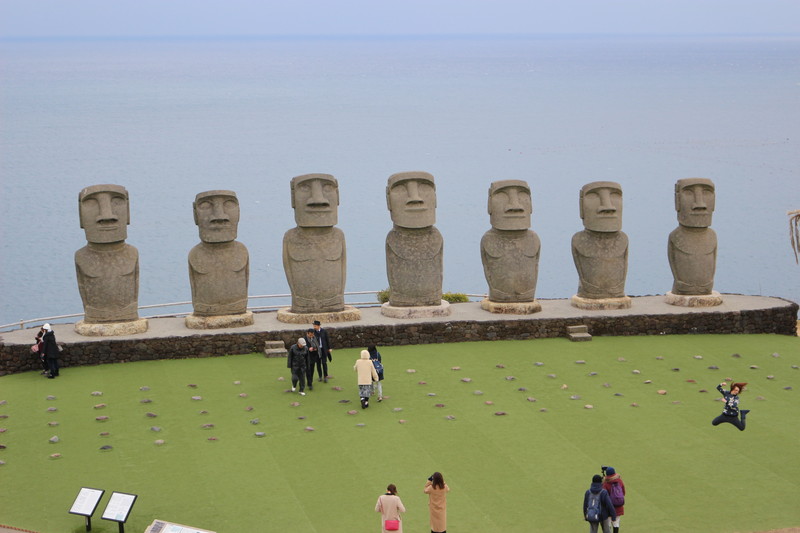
pixel 780 320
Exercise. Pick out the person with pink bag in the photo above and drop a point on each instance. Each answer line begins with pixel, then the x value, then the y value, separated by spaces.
pixel 390 506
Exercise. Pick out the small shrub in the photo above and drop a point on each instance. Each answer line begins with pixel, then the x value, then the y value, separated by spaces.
pixel 455 297
pixel 383 296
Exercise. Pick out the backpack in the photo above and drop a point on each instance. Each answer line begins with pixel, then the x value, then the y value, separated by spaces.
pixel 378 366
pixel 593 507
pixel 617 496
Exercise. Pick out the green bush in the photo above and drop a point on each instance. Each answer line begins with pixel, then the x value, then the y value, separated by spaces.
pixel 455 297
pixel 383 296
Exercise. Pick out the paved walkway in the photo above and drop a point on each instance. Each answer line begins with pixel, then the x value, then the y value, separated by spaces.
pixel 371 316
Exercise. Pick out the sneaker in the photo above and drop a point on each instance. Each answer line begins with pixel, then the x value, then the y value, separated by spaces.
pixel 320 380
pixel 326 379
pixel 380 398
pixel 294 389
pixel 311 387
pixel 302 393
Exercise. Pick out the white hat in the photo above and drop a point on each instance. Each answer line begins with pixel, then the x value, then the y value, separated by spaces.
pixel 301 341
pixel 47 327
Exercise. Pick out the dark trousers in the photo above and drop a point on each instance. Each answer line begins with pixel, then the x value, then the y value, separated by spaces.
pixel 299 376
pixel 310 371
pixel 322 366
pixel 52 366
pixel 730 420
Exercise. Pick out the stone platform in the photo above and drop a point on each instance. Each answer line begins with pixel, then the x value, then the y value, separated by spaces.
pixel 168 338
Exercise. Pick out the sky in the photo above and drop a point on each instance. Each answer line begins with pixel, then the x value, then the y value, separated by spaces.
pixel 184 18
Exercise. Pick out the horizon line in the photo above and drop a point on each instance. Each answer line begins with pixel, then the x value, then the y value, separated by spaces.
pixel 395 36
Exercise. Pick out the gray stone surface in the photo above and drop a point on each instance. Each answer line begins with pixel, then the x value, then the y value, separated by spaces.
pixel 168 338
pixel 510 250
pixel 107 268
pixel 314 252
pixel 692 246
pixel 414 247
pixel 219 266
pixel 600 251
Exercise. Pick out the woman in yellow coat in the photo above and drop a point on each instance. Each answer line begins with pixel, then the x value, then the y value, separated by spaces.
pixel 366 375
pixel 437 490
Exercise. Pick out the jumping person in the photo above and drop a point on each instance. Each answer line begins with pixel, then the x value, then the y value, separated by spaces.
pixel 730 412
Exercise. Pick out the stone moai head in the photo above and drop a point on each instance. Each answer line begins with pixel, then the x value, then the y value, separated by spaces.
pixel 315 200
pixel 216 214
pixel 694 201
pixel 411 198
pixel 601 206
pixel 510 205
pixel 105 213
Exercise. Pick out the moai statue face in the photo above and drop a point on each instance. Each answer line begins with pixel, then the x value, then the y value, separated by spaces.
pixel 510 205
pixel 411 198
pixel 601 206
pixel 694 201
pixel 315 200
pixel 216 214
pixel 105 213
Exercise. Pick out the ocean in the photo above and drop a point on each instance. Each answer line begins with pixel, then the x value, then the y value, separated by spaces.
pixel 168 119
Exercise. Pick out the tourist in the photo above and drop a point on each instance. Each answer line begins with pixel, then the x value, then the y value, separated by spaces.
pixel 297 358
pixel 437 490
pixel 50 350
pixel 312 359
pixel 730 413
pixel 366 375
pixel 390 506
pixel 612 482
pixel 375 357
pixel 597 506
pixel 324 351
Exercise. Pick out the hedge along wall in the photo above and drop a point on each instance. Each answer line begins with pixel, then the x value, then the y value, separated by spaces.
pixel 781 319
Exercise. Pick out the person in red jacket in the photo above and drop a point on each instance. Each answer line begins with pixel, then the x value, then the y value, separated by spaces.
pixel 609 481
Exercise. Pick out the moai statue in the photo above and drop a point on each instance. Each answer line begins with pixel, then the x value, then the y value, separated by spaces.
pixel 692 246
pixel 510 250
pixel 600 251
pixel 219 266
pixel 107 268
pixel 413 248
pixel 314 254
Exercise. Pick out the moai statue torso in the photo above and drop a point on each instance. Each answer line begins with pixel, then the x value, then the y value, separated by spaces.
pixel 510 250
pixel 107 268
pixel 219 266
pixel 600 251
pixel 314 252
pixel 413 245
pixel 692 247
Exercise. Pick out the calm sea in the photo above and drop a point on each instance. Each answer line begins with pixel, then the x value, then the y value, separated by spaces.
pixel 169 119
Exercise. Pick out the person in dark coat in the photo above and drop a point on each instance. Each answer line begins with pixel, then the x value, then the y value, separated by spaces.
pixel 597 492
pixel 613 478
pixel 324 351
pixel 296 360
pixel 375 357
pixel 50 350
pixel 730 412
pixel 313 357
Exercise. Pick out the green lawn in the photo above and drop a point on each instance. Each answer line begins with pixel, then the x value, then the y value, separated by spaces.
pixel 522 471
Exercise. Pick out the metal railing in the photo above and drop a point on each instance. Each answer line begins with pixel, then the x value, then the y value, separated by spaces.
pixel 256 309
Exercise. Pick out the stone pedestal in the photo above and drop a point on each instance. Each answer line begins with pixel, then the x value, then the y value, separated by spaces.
pixel 601 304
pixel 511 308
pixel 111 329
pixel 694 300
pixel 219 321
pixel 426 311
pixel 348 314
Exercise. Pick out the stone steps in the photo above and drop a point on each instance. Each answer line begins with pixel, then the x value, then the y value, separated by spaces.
pixel 274 349
pixel 578 333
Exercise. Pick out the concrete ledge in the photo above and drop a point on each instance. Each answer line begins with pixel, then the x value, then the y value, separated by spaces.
pixel 168 338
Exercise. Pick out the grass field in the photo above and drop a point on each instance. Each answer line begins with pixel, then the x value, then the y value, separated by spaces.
pixel 514 439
